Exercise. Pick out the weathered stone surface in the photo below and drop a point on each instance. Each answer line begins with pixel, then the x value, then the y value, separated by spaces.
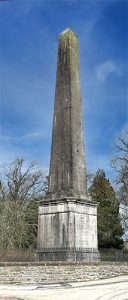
pixel 60 274
pixel 67 229
pixel 67 166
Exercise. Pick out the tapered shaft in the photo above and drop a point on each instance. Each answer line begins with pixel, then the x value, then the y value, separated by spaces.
pixel 67 164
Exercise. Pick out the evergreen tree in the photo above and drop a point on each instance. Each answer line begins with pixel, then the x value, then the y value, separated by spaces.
pixel 109 226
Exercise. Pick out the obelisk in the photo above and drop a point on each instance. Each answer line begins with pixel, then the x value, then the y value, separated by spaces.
pixel 67 226
pixel 67 167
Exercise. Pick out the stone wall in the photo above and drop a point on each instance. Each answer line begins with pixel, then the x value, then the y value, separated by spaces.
pixel 42 274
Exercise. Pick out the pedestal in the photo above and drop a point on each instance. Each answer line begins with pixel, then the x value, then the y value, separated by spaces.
pixel 67 231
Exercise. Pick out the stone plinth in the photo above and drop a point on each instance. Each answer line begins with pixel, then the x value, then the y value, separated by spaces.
pixel 67 229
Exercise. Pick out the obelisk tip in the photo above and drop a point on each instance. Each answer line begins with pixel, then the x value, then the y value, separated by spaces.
pixel 67 30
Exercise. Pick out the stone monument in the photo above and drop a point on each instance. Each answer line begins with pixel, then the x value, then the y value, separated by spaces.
pixel 67 224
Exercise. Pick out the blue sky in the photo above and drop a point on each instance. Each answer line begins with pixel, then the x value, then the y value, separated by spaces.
pixel 28 54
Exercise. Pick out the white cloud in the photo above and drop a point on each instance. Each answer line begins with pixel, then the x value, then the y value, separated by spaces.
pixel 8 152
pixel 107 68
pixel 30 136
pixel 97 161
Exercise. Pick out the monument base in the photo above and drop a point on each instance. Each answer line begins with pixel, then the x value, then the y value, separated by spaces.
pixel 67 231
pixel 68 255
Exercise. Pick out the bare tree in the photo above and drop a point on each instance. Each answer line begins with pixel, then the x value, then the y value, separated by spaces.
pixel 120 164
pixel 90 176
pixel 21 187
pixel 19 182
